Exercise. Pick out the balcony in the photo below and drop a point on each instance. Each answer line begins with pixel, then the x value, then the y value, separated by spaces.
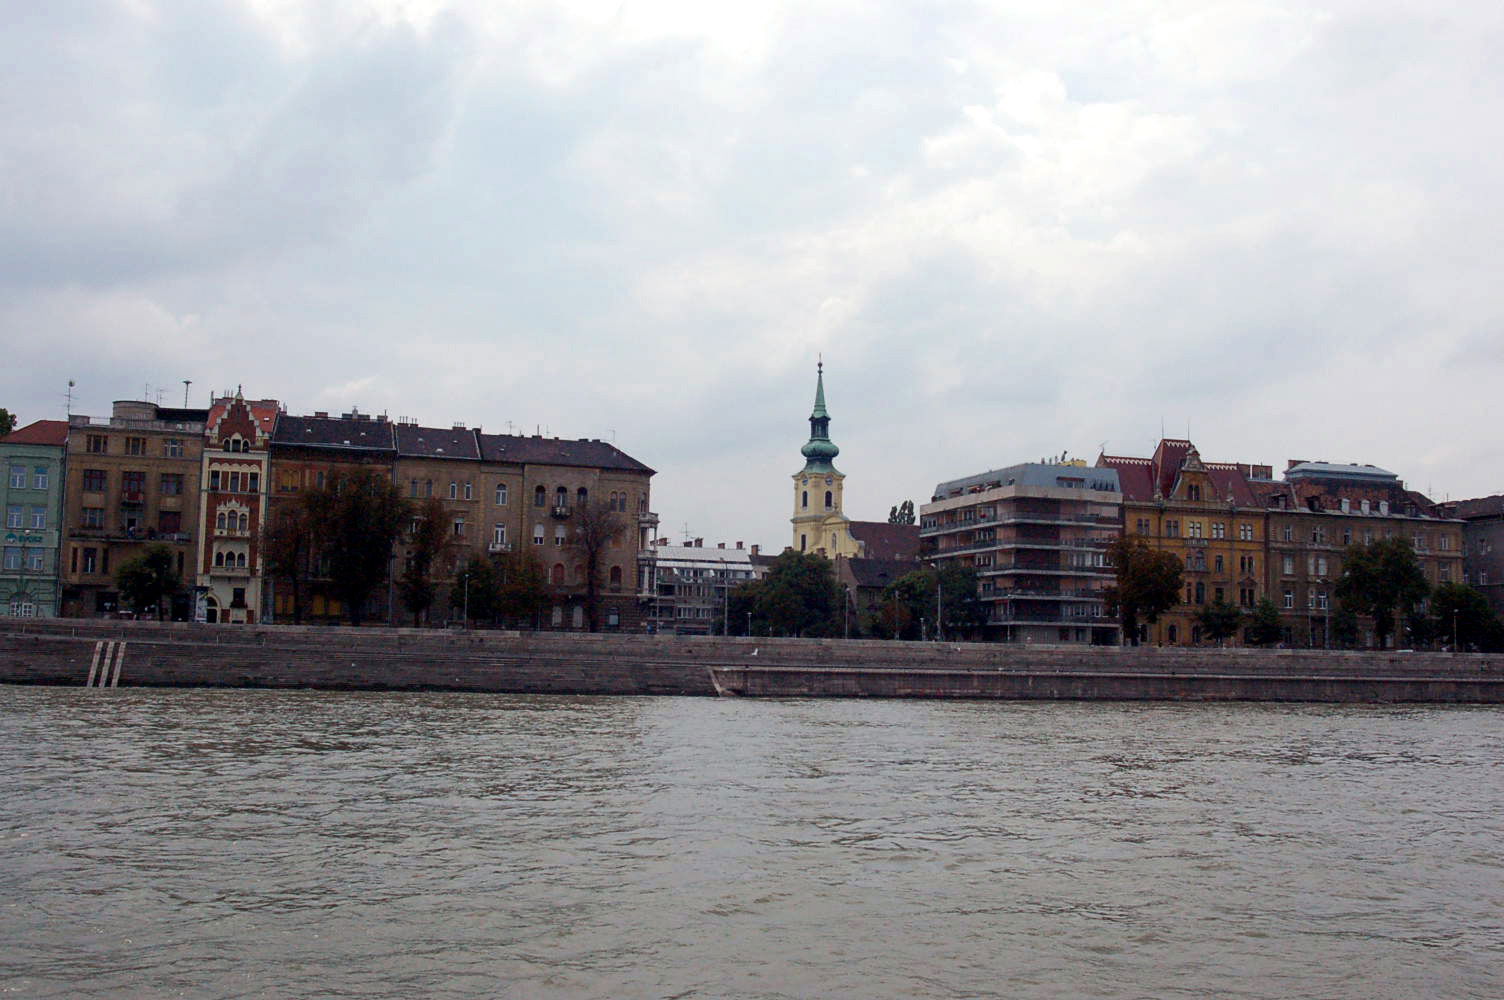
pixel 559 511
pixel 231 571
pixel 132 498
pixel 498 547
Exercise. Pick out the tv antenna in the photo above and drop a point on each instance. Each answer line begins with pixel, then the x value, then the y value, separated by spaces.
pixel 186 383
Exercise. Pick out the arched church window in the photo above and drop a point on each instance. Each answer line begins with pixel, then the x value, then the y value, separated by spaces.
pixel 829 497
pixel 804 498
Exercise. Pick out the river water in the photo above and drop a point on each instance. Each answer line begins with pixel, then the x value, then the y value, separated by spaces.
pixel 294 844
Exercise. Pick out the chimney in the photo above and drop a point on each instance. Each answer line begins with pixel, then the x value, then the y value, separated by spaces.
pixel 699 543
pixel 738 545
pixel 321 413
pixel 754 550
pixel 720 545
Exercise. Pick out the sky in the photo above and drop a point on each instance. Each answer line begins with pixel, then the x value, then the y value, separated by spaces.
pixel 1011 230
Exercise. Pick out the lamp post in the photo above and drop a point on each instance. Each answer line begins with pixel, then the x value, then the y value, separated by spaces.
pixel 749 623
pixel 1454 630
pixel 467 598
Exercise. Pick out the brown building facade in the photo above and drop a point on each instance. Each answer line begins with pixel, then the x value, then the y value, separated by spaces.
pixel 234 484
pixel 131 482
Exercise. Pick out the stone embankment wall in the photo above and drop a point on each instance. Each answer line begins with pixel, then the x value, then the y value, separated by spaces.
pixel 147 653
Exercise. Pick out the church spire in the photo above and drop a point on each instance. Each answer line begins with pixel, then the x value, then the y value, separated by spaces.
pixel 820 450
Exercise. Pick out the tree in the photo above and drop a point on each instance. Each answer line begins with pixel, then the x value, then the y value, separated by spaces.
pixel 522 586
pixel 432 544
pixel 7 421
pixel 925 596
pixel 149 579
pixel 1264 626
pixel 287 545
pixel 1344 627
pixel 1148 583
pixel 902 514
pixel 1462 617
pixel 359 516
pixel 1384 579
pixel 475 590
pixel 799 596
pixel 1219 621
pixel 596 526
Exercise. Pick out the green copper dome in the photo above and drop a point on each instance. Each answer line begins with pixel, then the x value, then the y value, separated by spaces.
pixel 820 449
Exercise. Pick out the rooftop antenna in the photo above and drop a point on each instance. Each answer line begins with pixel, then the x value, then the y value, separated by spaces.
pixel 186 383
pixel 69 396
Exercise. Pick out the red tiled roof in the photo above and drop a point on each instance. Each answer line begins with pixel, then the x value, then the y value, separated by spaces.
pixel 1478 507
pixel 887 541
pixel 1135 475
pixel 48 432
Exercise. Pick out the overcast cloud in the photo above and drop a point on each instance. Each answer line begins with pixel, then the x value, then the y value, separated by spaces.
pixel 1013 230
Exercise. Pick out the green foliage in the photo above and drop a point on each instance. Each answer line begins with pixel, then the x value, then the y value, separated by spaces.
pixel 1384 579
pixel 902 513
pixel 431 545
pixel 477 579
pixel 521 586
pixel 1148 583
pixel 7 421
pixel 1219 621
pixel 358 518
pixel 596 526
pixel 1344 627
pixel 909 606
pixel 1264 625
pixel 287 545
pixel 1462 618
pixel 149 580
pixel 799 596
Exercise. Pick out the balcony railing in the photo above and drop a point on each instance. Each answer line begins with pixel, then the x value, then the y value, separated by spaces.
pixel 134 498
pixel 560 511
pixel 499 547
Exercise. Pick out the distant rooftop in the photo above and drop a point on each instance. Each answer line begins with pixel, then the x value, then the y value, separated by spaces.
pixel 1046 474
pixel 1332 470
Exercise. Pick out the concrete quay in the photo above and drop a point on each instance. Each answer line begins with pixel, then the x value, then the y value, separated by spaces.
pixel 130 654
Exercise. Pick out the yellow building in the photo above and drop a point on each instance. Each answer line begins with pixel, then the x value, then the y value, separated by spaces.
pixel 819 523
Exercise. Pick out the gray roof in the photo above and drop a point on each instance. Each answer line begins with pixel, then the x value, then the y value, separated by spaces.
pixel 537 450
pixel 1332 470
pixel 436 442
pixel 344 433
pixel 1093 477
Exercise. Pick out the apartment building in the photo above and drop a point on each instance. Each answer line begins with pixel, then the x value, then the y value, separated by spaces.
pixel 31 492
pixel 1036 534
pixel 1483 545
pixel 130 483
pixel 234 485
pixel 693 586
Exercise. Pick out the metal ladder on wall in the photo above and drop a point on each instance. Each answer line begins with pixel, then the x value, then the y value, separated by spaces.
pixel 109 654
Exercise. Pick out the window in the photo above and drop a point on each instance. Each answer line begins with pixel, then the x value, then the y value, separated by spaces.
pixel 412 489
pixel 1172 529
pixel 1218 564
pixel 135 446
pixel 1142 526
pixel 91 560
pixel 540 497
pixel 1193 529
pixel 1363 506
pixel 94 481
pixel 18 477
pixel 1193 492
pixel 1310 600
pixel 1219 530
pixel 1289 598
pixel 1246 565
pixel 454 490
pixel 582 496
pixel 1245 532
pixel 561 497
pixel 170 522
pixel 468 490
pixel 829 499
pixel 318 479
pixel 235 482
pixel 1245 597
pixel 133 483
pixel 1318 536
pixel 214 480
pixel 98 444
pixel 39 517
pixel 219 521
pixel 1321 601
pixel 804 499
pixel 1445 573
pixel 93 517
pixel 1347 536
pixel 501 494
pixel 172 484
pixel 537 534
pixel 1217 596
pixel 459 527
pixel 1288 533
pixel 173 447
pixel 559 535
pixel 1200 592
pixel 557 575
pixel 14 516
pixel 498 534
pixel 1321 566
pixel 40 478
pixel 12 557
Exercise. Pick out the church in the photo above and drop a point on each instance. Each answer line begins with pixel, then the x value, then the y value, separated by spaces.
pixel 820 524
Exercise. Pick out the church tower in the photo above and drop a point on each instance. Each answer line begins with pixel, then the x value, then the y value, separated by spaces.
pixel 819 524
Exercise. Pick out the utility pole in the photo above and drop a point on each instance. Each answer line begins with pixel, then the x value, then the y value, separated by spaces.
pixel 939 610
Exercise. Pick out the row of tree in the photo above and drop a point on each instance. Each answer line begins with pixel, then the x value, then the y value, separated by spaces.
pixel 338 541
pixel 1382 579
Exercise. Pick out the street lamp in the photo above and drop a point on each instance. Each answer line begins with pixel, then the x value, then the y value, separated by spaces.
pixel 467 598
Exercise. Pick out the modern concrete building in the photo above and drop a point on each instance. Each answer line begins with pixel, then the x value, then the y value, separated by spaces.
pixel 1037 535
pixel 693 585
pixel 130 484
pixel 31 495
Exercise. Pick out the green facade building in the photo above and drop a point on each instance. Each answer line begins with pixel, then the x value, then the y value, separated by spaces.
pixel 31 501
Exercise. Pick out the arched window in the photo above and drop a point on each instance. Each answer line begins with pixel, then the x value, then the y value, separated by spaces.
pixel 829 498
pixel 219 558
pixel 579 575
pixel 561 496
pixel 1171 634
pixel 219 521
pixel 558 573
pixel 240 559
pixel 581 496
pixel 616 576
pixel 540 497
pixel 804 499
pixel 245 522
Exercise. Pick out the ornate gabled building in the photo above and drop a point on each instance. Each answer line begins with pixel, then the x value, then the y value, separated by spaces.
pixel 234 484
pixel 1208 516
pixel 819 522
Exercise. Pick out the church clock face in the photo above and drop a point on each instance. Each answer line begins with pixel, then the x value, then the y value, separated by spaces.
pixel 805 482
pixel 828 480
